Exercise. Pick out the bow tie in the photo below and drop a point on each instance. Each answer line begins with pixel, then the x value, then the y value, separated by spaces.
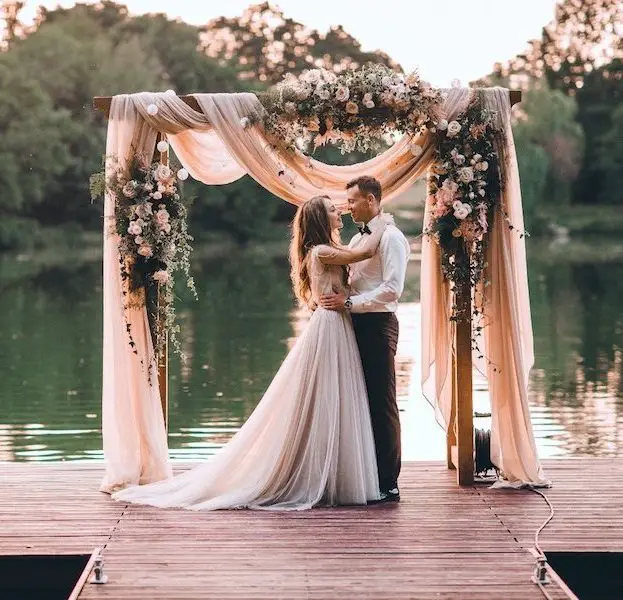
pixel 364 229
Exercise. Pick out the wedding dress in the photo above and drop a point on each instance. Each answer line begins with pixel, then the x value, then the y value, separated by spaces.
pixel 308 442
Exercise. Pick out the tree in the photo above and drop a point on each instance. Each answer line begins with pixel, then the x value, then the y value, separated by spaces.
pixel 265 45
pixel 609 154
pixel 30 167
pixel 583 36
pixel 13 28
pixel 547 119
pixel 580 53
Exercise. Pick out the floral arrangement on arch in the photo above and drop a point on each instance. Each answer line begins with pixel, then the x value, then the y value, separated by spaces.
pixel 464 190
pixel 355 110
pixel 153 239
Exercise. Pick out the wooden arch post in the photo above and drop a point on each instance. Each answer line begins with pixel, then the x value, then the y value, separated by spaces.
pixel 460 436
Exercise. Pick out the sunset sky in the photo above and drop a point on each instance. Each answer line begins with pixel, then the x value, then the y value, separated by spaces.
pixel 444 39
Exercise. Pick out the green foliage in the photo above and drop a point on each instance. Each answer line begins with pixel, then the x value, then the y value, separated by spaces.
pixel 243 208
pixel 53 140
pixel 579 53
pixel 533 169
pixel 265 45
pixel 609 152
pixel 547 120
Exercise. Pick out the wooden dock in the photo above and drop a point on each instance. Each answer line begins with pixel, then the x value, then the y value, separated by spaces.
pixel 441 541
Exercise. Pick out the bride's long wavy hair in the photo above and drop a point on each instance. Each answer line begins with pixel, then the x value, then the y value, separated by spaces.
pixel 311 227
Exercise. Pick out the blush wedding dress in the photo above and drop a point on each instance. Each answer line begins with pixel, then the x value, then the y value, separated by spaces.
pixel 308 442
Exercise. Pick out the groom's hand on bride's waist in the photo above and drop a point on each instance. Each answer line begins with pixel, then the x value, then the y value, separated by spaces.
pixel 333 301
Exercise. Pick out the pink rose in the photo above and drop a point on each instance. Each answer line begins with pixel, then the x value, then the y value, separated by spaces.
pixel 145 251
pixel 161 277
pixel 450 185
pixel 444 197
pixel 342 94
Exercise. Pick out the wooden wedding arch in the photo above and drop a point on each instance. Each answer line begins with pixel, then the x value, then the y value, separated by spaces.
pixel 460 434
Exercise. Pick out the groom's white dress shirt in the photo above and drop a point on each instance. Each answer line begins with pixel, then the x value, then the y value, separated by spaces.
pixel 377 283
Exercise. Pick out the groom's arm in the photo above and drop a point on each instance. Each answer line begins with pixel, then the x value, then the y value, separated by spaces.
pixel 394 255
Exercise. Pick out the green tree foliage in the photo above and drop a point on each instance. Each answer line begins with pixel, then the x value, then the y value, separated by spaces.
pixel 547 120
pixel 53 139
pixel 265 45
pixel 580 53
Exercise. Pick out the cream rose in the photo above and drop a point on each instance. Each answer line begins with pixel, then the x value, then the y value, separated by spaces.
pixel 453 128
pixel 466 174
pixel 162 173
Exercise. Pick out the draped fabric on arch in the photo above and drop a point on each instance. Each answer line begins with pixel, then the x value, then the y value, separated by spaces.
pixel 217 149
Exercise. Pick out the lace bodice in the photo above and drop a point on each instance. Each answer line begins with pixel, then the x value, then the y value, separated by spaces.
pixel 324 278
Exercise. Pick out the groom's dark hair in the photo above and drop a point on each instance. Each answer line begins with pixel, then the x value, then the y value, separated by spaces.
pixel 367 185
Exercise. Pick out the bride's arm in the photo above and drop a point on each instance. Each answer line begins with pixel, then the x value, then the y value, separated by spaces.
pixel 342 255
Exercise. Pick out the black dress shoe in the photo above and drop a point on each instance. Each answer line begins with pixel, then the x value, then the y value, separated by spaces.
pixel 392 495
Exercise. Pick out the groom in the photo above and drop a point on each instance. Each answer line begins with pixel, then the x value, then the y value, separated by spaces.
pixel 376 285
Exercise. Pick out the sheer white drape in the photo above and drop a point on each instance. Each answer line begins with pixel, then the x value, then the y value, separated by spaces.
pixel 216 148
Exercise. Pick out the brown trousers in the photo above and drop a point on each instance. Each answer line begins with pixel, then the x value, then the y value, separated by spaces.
pixel 377 339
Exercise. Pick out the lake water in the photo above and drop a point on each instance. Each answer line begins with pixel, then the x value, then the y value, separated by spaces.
pixel 239 331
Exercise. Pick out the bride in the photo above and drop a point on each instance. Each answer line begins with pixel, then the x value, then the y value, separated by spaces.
pixel 309 441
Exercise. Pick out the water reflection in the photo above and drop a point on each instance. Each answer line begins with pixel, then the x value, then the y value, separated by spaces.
pixel 239 331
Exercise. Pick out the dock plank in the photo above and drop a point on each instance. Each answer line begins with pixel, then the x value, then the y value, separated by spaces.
pixel 440 541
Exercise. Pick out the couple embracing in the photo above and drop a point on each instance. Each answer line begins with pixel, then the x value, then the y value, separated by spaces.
pixel 327 430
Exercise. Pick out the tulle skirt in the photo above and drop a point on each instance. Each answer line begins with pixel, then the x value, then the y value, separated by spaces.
pixel 308 442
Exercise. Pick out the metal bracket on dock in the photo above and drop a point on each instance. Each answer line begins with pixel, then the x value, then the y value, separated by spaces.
pixel 98 571
pixel 540 572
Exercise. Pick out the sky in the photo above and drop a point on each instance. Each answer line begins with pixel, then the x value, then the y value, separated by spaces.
pixel 443 39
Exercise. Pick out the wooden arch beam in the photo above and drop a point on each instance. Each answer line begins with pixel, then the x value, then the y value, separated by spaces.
pixel 102 103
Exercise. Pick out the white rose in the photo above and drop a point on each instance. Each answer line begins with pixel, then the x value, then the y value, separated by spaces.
pixel 312 76
pixel 342 94
pixel 481 192
pixel 138 240
pixel 453 128
pixel 466 174
pixel 322 92
pixel 457 204
pixel 304 92
pixel 482 166
pixel 477 157
pixel 442 125
pixel 157 195
pixel 461 213
pixel 459 159
pixel 368 102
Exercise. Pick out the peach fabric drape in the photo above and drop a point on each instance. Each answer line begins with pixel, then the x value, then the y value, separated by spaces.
pixel 216 148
